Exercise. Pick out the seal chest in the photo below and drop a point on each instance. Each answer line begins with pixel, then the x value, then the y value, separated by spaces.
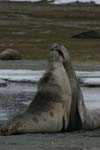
pixel 47 112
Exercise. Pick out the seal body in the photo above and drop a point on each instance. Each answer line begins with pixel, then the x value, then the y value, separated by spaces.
pixel 49 110
pixel 80 116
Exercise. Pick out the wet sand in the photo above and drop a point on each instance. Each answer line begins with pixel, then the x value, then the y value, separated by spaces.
pixel 61 141
pixel 80 140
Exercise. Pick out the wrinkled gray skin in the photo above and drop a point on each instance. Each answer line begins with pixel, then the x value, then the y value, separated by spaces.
pixel 49 110
pixel 80 116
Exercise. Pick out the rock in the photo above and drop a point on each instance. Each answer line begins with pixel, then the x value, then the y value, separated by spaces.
pixel 91 34
pixel 3 83
pixel 10 54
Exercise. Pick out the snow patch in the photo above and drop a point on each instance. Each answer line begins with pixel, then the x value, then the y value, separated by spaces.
pixel 21 75
pixel 86 78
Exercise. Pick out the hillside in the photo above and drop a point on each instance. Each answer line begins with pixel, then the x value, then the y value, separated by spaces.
pixel 32 27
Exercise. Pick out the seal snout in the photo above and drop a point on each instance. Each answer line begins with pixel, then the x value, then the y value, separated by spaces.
pixel 57 48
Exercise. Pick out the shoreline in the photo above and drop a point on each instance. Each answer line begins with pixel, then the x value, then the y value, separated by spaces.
pixel 42 65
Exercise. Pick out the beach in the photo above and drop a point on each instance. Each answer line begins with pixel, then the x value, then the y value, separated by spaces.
pixel 78 140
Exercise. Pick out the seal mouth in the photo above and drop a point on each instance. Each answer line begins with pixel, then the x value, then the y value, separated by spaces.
pixel 57 48
pixel 61 56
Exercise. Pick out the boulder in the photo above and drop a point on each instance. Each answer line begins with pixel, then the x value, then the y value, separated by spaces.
pixel 10 54
pixel 91 34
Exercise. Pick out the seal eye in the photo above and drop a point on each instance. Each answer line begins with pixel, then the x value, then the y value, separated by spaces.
pixel 60 55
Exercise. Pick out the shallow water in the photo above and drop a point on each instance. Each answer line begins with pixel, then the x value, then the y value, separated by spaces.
pixel 15 97
pixel 91 97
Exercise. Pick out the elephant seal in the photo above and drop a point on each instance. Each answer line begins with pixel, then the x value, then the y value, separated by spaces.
pixel 58 104
pixel 10 54
pixel 80 116
pixel 50 109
